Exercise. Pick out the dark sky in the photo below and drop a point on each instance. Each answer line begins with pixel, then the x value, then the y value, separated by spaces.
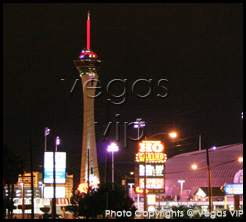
pixel 198 48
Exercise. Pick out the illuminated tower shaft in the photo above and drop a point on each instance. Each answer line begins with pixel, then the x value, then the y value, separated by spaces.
pixel 88 65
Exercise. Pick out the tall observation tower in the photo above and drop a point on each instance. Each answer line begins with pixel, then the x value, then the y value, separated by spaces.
pixel 88 65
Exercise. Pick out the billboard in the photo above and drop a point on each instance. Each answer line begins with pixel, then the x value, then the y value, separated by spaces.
pixel 49 192
pixel 60 167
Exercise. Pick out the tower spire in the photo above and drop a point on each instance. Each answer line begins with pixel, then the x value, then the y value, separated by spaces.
pixel 88 31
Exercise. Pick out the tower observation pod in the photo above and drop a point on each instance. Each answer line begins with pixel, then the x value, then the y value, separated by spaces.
pixel 88 65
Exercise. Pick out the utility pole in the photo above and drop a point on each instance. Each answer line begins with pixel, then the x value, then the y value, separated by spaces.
pixel 200 142
pixel 88 171
pixel 145 184
pixel 209 181
pixel 31 169
pixel 54 173
pixel 23 199
pixel 107 165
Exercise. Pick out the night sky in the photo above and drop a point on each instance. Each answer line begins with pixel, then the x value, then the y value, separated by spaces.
pixel 198 48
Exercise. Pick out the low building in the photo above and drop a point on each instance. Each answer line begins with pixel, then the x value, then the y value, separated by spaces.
pixel 224 165
pixel 43 193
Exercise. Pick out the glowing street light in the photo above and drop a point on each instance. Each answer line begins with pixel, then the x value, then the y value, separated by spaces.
pixel 173 135
pixel 214 148
pixel 194 166
pixel 240 159
pixel 113 148
pixel 138 124
pixel 58 142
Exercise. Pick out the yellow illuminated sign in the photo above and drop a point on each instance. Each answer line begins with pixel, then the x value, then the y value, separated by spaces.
pixel 151 157
pixel 140 191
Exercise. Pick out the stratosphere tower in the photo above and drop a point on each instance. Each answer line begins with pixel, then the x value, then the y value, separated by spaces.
pixel 88 65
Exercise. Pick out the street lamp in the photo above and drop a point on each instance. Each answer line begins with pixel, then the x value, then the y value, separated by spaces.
pixel 141 124
pixel 181 191
pixel 131 186
pixel 113 148
pixel 194 166
pixel 240 159
pixel 46 133
pixel 58 142
pixel 171 134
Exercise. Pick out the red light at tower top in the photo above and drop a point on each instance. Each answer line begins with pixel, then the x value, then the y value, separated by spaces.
pixel 88 53
pixel 88 31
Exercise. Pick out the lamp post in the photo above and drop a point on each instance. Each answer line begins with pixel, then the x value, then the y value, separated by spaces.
pixel 171 135
pixel 131 186
pixel 137 125
pixel 181 190
pixel 23 197
pixel 113 148
pixel 46 133
pixel 194 167
pixel 57 143
pixel 209 182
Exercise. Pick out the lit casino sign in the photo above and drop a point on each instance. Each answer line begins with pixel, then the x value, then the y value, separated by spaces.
pixel 156 170
pixel 151 147
pixel 152 183
pixel 151 157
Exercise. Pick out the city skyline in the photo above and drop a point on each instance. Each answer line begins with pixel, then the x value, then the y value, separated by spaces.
pixel 196 47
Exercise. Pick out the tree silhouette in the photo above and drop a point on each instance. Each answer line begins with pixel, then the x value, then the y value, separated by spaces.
pixel 13 165
pixel 94 203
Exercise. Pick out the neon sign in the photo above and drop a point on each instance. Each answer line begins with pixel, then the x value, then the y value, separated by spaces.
pixel 151 157
pixel 151 147
pixel 233 188
pixel 152 183
pixel 152 170
pixel 140 191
